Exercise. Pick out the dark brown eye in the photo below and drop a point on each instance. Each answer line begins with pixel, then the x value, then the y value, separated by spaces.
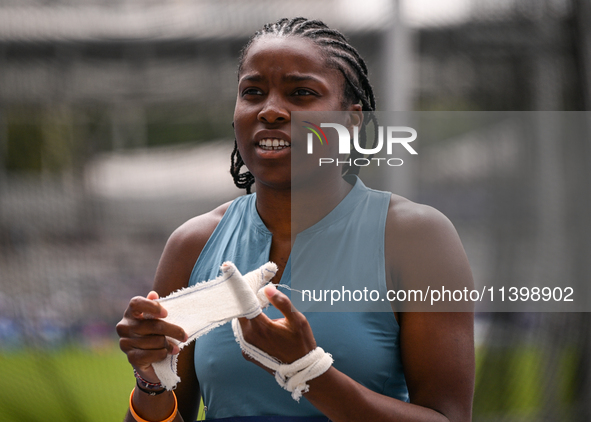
pixel 252 91
pixel 303 92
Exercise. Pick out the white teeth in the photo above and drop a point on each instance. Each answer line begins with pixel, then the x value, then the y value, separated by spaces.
pixel 273 144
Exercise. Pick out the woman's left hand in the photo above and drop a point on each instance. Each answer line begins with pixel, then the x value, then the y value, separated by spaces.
pixel 286 339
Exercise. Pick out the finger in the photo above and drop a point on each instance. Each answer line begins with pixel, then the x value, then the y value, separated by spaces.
pixel 148 343
pixel 228 269
pixel 163 312
pixel 158 327
pixel 268 271
pixel 140 358
pixel 283 304
pixel 144 308
pixel 256 279
pixel 256 321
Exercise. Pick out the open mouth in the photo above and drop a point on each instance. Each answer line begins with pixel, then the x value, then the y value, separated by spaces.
pixel 273 144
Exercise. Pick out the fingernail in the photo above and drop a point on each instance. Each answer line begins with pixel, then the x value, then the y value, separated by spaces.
pixel 270 291
pixel 175 350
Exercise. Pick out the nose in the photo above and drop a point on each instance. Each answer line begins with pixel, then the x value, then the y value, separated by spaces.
pixel 274 111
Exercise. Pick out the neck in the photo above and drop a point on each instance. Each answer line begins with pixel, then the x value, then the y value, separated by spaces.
pixel 313 202
pixel 274 208
pixel 298 209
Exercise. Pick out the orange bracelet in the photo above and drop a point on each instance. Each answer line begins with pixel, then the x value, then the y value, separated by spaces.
pixel 138 419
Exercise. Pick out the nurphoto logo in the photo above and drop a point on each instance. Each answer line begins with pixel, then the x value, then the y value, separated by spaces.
pixel 345 143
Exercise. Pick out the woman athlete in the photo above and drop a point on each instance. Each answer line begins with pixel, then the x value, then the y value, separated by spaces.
pixel 414 367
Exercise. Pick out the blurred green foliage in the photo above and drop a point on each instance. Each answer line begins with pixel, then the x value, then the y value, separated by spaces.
pixel 24 148
pixel 511 381
pixel 57 139
pixel 82 385
pixel 72 384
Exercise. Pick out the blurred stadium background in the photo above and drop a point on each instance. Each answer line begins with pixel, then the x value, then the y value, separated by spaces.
pixel 115 128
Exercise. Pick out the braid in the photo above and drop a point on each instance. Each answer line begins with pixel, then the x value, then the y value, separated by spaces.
pixel 344 46
pixel 244 180
pixel 289 26
pixel 340 54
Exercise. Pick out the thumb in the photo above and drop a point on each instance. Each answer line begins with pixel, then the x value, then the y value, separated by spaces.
pixel 162 313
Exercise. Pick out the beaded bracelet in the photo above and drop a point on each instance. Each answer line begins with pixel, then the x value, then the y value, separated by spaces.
pixel 147 385
pixel 150 392
pixel 139 419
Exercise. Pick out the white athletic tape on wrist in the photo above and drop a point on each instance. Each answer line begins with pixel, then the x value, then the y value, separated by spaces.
pixel 293 376
pixel 201 308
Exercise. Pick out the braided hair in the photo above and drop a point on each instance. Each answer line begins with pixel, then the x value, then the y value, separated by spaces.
pixel 340 54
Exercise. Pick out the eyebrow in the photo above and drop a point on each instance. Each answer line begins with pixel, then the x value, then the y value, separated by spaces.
pixel 295 77
pixel 289 77
pixel 253 78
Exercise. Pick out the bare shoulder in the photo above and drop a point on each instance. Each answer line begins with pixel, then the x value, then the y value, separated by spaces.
pixel 407 218
pixel 183 248
pixel 194 233
pixel 423 247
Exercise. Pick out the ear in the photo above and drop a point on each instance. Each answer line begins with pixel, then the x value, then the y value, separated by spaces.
pixel 355 116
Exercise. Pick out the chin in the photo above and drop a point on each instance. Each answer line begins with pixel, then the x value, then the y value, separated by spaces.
pixel 273 179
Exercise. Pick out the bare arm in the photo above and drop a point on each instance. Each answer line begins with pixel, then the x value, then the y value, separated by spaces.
pixel 144 340
pixel 437 348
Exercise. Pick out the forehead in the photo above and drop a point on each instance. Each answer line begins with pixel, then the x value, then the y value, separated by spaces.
pixel 286 54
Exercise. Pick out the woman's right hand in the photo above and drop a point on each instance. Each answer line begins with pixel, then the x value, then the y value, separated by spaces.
pixel 143 335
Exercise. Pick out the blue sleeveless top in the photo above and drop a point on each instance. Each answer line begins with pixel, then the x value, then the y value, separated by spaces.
pixel 364 345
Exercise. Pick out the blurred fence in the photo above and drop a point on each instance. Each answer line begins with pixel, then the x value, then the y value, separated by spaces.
pixel 104 106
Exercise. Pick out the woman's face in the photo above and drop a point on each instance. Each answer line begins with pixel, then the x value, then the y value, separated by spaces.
pixel 280 75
